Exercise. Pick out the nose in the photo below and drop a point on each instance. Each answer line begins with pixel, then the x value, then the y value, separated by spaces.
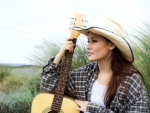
pixel 88 46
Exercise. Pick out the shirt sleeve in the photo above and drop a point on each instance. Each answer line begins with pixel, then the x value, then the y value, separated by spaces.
pixel 94 108
pixel 138 99
pixel 50 76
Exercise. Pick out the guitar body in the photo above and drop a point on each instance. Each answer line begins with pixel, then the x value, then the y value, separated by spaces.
pixel 43 102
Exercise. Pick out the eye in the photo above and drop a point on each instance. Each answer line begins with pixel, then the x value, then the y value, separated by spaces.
pixel 88 41
pixel 94 40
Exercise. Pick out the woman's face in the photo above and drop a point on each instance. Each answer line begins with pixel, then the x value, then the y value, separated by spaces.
pixel 98 47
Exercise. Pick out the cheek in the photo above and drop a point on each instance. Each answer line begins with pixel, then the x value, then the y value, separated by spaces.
pixel 102 49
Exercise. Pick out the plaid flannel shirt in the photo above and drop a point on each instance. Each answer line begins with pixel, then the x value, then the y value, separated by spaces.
pixel 80 83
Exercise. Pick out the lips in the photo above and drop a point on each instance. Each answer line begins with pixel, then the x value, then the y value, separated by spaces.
pixel 90 53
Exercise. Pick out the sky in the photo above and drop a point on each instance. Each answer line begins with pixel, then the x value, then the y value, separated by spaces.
pixel 24 24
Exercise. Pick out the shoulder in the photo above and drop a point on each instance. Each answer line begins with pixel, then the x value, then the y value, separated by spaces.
pixel 135 86
pixel 133 83
pixel 135 80
pixel 132 88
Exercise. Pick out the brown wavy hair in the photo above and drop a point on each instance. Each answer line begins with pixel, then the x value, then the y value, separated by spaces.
pixel 120 68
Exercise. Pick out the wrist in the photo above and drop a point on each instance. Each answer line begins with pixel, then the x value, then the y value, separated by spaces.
pixel 57 59
pixel 59 56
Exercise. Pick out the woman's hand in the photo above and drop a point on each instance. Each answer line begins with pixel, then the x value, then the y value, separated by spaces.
pixel 82 104
pixel 68 45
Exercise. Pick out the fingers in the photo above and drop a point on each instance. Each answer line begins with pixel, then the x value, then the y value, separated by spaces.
pixel 79 109
pixel 82 104
pixel 69 39
pixel 69 44
pixel 78 102
pixel 69 48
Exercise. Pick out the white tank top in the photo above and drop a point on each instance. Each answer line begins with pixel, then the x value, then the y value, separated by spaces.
pixel 98 94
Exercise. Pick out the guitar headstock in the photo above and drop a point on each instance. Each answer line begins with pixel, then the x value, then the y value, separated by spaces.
pixel 78 21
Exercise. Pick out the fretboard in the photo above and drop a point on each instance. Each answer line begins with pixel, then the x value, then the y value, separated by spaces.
pixel 59 93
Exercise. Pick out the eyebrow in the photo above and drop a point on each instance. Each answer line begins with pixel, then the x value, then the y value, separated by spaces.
pixel 93 37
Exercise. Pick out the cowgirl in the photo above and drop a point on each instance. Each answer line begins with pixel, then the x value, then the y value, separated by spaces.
pixel 110 83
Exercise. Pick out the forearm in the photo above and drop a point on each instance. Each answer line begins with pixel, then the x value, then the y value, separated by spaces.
pixel 57 59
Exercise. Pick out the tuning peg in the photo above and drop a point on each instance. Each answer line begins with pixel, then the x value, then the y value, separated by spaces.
pixel 85 21
pixel 84 26
pixel 73 18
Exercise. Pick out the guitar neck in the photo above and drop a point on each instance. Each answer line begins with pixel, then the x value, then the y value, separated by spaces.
pixel 59 93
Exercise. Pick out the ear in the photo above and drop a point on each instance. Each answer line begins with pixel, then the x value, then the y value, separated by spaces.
pixel 111 46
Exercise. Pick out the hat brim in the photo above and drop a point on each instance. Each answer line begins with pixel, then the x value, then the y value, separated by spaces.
pixel 120 42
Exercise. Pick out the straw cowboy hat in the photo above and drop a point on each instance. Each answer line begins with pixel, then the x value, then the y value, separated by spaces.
pixel 111 30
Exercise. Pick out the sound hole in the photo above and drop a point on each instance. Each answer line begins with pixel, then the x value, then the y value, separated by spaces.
pixel 48 110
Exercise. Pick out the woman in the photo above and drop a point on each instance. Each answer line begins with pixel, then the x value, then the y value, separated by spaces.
pixel 110 83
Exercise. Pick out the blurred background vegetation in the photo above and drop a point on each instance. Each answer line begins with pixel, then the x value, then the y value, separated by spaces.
pixel 19 85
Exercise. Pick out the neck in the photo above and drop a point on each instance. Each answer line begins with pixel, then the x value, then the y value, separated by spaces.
pixel 104 67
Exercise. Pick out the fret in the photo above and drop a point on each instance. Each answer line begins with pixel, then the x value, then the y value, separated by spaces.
pixel 54 108
pixel 62 77
pixel 64 69
pixel 58 97
pixel 67 60
pixel 65 65
pixel 68 63
pixel 61 82
pixel 59 93
pixel 68 56
pixel 64 74
pixel 57 100
pixel 57 104
pixel 60 90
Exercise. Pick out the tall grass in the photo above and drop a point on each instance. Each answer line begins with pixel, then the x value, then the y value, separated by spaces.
pixel 141 48
pixel 20 89
pixel 4 71
pixel 49 49
pixel 44 52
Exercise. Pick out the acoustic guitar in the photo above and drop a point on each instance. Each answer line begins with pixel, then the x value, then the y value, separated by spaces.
pixel 58 103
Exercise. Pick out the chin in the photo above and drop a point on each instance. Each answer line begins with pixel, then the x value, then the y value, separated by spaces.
pixel 92 59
